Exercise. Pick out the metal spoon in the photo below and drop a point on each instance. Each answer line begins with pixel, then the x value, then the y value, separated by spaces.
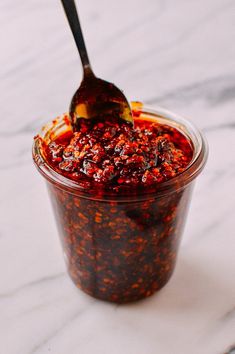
pixel 95 97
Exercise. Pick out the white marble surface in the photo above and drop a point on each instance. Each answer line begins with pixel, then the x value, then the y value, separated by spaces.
pixel 179 54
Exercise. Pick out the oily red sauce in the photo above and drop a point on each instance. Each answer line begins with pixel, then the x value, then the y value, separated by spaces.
pixel 111 154
pixel 120 251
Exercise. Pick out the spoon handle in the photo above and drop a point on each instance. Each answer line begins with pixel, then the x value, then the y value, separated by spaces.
pixel 72 16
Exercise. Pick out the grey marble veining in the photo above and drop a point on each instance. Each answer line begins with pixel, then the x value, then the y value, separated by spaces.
pixel 178 54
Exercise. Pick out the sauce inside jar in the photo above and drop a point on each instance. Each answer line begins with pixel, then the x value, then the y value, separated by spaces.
pixel 119 249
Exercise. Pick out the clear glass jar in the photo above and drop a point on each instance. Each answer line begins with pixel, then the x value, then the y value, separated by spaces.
pixel 122 248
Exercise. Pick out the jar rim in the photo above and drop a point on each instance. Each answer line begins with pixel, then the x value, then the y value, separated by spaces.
pixel 160 114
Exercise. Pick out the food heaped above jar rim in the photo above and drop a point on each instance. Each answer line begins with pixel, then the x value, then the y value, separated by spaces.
pixel 110 154
pixel 104 158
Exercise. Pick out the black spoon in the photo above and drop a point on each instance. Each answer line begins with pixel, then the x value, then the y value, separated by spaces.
pixel 95 97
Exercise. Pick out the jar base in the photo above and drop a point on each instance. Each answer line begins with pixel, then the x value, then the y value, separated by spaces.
pixel 125 299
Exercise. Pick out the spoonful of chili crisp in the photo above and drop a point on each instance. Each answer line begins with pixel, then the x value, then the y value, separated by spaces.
pixel 95 98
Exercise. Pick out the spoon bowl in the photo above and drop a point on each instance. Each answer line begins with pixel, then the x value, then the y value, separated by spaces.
pixel 97 98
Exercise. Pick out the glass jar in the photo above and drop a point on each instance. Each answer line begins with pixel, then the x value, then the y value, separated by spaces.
pixel 122 248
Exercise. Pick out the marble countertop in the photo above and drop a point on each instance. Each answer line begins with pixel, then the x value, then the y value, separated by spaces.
pixel 179 55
